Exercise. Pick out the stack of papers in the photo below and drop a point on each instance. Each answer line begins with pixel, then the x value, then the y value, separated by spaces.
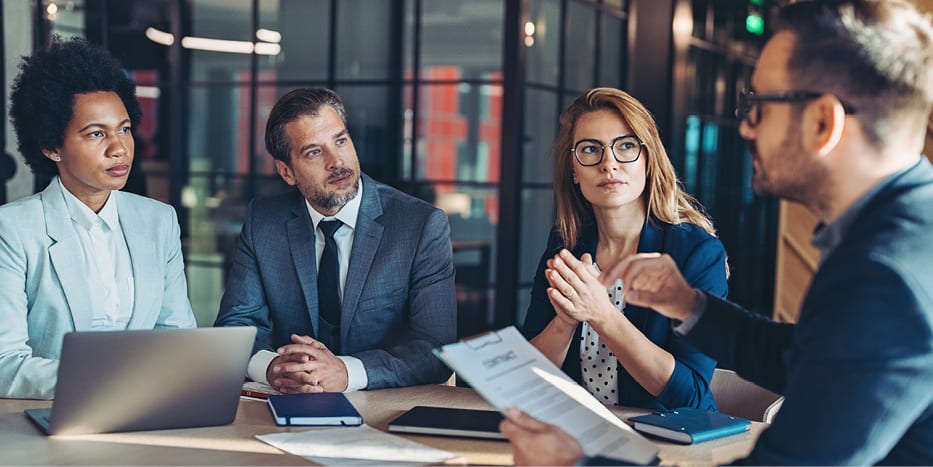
pixel 362 445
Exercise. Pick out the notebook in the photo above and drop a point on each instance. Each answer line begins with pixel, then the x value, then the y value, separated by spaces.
pixel 444 421
pixel 114 381
pixel 688 426
pixel 315 409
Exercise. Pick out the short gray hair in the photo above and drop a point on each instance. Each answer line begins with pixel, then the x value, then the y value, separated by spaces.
pixel 297 103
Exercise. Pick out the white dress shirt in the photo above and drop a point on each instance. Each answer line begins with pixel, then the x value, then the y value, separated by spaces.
pixel 356 373
pixel 105 260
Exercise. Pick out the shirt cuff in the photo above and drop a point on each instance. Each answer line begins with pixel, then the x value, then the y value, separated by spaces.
pixel 687 325
pixel 356 373
pixel 258 364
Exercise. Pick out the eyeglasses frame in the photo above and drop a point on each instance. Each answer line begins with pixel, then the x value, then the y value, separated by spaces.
pixel 611 146
pixel 749 101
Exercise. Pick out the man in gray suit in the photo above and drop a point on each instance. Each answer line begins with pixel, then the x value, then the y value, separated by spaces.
pixel 349 282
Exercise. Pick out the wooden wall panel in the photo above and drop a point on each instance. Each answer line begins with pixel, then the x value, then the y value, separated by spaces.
pixel 797 260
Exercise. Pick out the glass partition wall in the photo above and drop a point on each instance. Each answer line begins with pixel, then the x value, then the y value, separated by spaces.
pixel 455 102
pixel 716 45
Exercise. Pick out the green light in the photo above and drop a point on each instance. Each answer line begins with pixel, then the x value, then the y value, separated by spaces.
pixel 755 24
pixel 756 2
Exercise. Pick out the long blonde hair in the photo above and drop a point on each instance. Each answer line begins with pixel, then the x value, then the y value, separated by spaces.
pixel 666 200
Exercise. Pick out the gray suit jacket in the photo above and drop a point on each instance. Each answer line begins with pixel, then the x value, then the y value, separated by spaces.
pixel 398 301
pixel 44 294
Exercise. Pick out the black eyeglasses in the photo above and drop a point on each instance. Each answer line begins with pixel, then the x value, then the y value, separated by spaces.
pixel 625 149
pixel 749 106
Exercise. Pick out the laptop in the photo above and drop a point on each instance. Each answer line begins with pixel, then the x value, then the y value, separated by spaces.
pixel 113 381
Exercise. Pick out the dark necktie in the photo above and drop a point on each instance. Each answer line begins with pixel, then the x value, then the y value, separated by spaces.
pixel 328 288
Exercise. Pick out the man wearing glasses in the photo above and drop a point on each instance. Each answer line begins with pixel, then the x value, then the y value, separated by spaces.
pixel 837 122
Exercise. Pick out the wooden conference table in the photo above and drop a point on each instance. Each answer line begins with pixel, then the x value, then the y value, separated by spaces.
pixel 21 443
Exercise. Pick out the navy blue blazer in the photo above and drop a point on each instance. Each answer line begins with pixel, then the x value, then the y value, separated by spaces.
pixel 702 258
pixel 399 301
pixel 857 369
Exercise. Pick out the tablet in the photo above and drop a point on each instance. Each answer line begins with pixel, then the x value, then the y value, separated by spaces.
pixel 443 421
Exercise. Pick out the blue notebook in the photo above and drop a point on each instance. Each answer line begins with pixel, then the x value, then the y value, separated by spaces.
pixel 324 408
pixel 689 426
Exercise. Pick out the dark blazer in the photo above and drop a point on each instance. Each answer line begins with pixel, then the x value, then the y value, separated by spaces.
pixel 398 301
pixel 857 369
pixel 702 259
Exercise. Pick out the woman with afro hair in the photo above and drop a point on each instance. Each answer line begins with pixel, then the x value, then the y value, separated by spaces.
pixel 80 255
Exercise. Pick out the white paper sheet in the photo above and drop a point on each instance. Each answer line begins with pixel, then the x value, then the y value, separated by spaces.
pixel 509 372
pixel 362 445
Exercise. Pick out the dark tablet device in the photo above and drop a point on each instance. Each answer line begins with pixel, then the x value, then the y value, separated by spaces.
pixel 445 421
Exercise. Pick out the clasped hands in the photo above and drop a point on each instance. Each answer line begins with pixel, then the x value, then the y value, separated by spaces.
pixel 649 280
pixel 575 290
pixel 307 365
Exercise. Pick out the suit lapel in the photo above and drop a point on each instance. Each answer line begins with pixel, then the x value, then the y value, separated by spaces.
pixel 301 245
pixel 65 253
pixel 137 231
pixel 366 241
pixel 652 238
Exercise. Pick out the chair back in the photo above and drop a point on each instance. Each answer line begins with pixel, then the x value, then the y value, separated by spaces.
pixel 742 398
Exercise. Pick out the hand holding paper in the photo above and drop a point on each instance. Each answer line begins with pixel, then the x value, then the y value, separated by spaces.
pixel 509 372
pixel 537 443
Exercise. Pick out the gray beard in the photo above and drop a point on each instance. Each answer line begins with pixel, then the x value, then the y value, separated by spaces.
pixel 329 201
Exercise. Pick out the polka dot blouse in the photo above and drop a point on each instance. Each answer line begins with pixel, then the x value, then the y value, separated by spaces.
pixel 599 364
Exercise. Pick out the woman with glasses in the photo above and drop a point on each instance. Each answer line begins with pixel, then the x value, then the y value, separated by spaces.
pixel 617 194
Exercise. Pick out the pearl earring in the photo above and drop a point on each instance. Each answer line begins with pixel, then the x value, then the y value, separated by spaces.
pixel 57 159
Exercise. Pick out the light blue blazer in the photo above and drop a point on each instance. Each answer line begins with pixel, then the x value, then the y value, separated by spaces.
pixel 44 293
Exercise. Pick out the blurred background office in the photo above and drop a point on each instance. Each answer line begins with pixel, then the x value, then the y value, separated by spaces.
pixel 453 101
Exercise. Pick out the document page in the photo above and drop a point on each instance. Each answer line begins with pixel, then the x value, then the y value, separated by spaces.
pixel 362 445
pixel 508 371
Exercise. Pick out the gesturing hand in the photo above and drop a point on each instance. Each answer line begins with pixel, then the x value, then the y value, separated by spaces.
pixel 653 280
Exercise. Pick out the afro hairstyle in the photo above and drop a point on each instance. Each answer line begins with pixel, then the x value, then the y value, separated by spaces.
pixel 42 96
